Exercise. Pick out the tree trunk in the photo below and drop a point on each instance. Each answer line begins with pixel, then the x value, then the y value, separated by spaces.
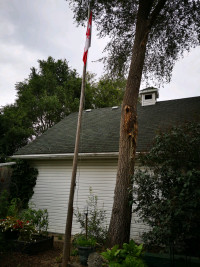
pixel 119 229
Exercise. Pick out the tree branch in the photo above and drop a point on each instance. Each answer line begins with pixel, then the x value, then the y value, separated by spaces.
pixel 152 18
pixel 156 12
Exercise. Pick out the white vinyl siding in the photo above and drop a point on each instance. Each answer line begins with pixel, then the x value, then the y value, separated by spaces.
pixel 53 184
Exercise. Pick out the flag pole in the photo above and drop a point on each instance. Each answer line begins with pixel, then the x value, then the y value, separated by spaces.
pixel 68 228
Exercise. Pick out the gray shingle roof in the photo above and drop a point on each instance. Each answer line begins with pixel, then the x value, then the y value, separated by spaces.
pixel 100 128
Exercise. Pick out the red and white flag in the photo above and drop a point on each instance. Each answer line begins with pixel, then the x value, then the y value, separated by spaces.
pixel 88 38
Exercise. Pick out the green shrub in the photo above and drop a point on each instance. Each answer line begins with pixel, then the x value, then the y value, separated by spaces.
pixel 130 255
pixel 28 232
pixel 14 207
pixel 167 193
pixel 27 222
pixel 23 180
pixel 4 204
pixel 96 219
pixel 82 241
pixel 38 218
pixel 25 229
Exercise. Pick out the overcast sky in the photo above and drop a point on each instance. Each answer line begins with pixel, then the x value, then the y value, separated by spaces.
pixel 35 29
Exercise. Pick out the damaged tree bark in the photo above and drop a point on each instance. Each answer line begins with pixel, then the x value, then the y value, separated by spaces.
pixel 119 229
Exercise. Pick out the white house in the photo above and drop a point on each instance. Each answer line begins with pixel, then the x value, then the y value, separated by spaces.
pixel 52 154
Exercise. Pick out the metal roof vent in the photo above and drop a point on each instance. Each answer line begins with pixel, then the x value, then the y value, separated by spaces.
pixel 115 107
pixel 88 110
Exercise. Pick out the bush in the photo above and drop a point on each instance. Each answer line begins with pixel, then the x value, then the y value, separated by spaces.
pixel 82 241
pixel 96 219
pixel 167 193
pixel 4 204
pixel 38 218
pixel 23 229
pixel 14 207
pixel 130 255
pixel 23 180
pixel 25 223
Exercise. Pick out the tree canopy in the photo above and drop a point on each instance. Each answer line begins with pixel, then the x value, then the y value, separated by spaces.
pixel 15 129
pixel 172 28
pixel 53 92
pixel 107 92
pixel 50 93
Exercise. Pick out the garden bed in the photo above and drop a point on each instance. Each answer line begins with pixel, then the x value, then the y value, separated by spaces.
pixel 158 260
pixel 49 258
pixel 40 244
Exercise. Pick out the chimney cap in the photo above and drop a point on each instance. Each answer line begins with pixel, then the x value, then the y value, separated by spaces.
pixel 150 90
pixel 149 96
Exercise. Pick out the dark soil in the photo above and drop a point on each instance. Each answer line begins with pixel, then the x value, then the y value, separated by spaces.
pixel 50 258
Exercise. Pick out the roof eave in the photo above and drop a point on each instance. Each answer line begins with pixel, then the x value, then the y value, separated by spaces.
pixel 7 164
pixel 67 156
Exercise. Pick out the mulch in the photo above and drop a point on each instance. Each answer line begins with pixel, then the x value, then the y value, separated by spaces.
pixel 50 258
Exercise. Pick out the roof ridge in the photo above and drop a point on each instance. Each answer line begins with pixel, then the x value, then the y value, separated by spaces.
pixel 170 100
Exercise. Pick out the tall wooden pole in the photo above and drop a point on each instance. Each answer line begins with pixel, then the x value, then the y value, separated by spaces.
pixel 68 228
pixel 67 241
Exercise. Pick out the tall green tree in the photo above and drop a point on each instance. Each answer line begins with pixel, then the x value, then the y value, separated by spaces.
pixel 53 92
pixel 15 130
pixel 107 92
pixel 146 36
pixel 50 93
pixel 43 99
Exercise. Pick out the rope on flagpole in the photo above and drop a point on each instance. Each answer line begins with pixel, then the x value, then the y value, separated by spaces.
pixel 79 171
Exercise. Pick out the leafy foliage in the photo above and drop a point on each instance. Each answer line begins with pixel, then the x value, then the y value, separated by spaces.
pixel 4 204
pixel 27 232
pixel 26 222
pixel 108 92
pixel 167 193
pixel 15 129
pixel 50 93
pixel 53 92
pixel 82 241
pixel 129 255
pixel 23 230
pixel 14 208
pixel 37 217
pixel 96 219
pixel 171 30
pixel 23 180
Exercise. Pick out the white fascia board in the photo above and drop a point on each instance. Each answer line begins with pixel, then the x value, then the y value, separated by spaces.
pixel 67 156
pixel 7 164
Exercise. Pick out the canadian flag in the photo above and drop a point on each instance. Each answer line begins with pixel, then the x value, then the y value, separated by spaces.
pixel 88 38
